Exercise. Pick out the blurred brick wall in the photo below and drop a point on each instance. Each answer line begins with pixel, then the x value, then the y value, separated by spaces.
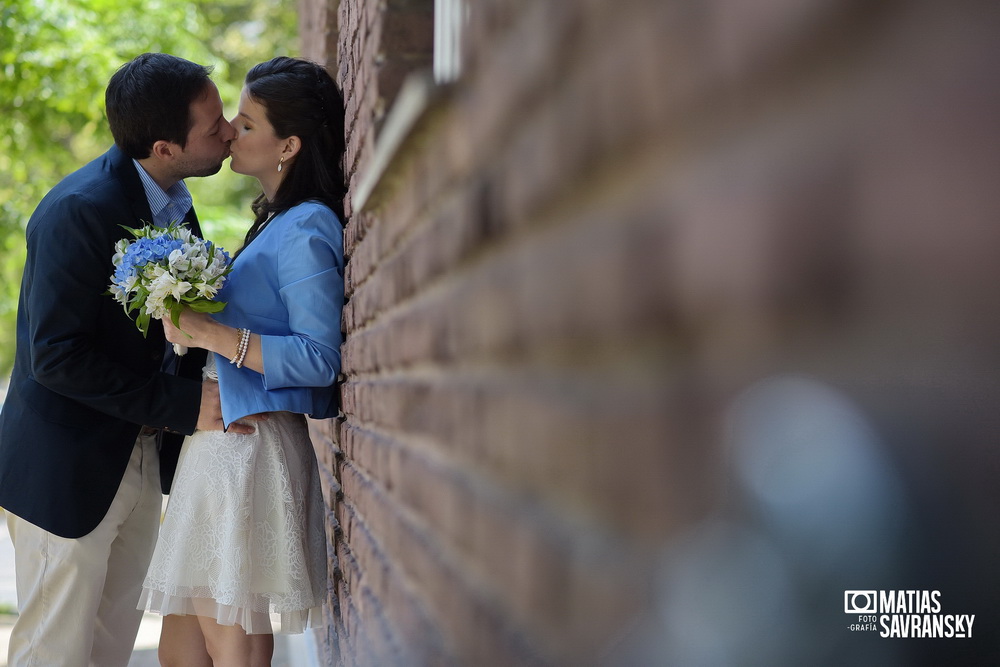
pixel 624 225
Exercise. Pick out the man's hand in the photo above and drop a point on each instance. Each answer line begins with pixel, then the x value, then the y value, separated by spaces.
pixel 210 416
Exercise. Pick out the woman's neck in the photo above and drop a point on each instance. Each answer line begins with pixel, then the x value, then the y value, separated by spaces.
pixel 269 184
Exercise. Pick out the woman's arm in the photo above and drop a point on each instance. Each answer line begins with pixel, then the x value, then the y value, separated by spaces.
pixel 308 275
pixel 200 330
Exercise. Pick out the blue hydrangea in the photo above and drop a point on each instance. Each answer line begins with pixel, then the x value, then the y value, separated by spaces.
pixel 142 252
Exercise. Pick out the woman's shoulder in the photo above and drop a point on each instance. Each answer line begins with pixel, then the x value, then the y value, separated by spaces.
pixel 311 209
pixel 307 227
pixel 309 219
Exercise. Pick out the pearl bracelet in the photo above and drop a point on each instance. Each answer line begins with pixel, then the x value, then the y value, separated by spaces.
pixel 241 347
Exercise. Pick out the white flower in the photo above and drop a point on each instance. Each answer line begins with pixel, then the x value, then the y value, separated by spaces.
pixel 205 290
pixel 197 264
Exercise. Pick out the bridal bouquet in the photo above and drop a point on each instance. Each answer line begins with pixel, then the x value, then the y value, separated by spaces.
pixel 163 269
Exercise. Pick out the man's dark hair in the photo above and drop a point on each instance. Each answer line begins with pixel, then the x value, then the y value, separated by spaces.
pixel 149 98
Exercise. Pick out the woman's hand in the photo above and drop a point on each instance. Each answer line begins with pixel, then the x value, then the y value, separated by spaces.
pixel 193 329
pixel 200 330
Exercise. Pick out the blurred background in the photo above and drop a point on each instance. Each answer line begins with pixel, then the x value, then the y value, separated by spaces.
pixel 56 57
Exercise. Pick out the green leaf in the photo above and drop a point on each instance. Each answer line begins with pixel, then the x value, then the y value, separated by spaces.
pixel 204 306
pixel 142 321
pixel 175 314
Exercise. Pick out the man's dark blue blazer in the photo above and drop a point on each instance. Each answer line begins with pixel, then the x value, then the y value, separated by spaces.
pixel 85 380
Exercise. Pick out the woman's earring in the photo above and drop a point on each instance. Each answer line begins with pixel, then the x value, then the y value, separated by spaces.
pixel 279 163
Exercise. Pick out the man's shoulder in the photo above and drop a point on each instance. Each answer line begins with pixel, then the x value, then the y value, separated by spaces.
pixel 99 183
pixel 102 174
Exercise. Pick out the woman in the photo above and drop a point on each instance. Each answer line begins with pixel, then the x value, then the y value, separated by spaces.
pixel 242 540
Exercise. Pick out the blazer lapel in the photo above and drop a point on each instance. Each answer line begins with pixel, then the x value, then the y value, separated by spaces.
pixel 192 219
pixel 135 194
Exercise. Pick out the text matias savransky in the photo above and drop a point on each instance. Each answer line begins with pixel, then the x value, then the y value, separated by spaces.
pixel 909 613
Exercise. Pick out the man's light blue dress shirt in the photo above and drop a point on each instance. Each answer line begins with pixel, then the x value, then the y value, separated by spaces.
pixel 167 206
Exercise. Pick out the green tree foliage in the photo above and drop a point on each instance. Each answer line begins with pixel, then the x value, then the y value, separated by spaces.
pixel 56 57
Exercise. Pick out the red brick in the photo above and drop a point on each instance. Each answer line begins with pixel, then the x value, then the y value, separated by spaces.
pixel 620 216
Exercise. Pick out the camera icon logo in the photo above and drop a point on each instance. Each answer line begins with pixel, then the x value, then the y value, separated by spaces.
pixel 860 602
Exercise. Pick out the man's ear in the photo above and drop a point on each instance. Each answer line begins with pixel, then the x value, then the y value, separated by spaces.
pixel 164 150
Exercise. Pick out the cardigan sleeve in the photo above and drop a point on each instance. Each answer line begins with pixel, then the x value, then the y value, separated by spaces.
pixel 310 268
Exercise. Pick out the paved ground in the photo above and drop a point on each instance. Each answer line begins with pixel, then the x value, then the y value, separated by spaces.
pixel 289 650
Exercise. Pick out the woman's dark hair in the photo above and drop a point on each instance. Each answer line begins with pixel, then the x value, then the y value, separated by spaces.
pixel 149 98
pixel 300 99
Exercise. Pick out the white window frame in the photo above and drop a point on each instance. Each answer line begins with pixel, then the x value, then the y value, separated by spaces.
pixel 449 21
pixel 416 93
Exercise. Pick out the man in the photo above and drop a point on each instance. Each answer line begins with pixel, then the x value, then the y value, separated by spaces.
pixel 79 466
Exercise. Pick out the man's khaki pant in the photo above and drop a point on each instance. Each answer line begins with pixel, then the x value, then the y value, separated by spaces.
pixel 77 598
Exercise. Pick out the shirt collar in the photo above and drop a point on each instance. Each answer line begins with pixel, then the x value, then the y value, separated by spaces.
pixel 166 206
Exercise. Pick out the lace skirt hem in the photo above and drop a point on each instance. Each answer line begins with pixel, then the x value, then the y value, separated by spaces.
pixel 252 621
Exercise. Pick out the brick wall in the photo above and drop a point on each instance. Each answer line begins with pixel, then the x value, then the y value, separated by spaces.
pixel 666 324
